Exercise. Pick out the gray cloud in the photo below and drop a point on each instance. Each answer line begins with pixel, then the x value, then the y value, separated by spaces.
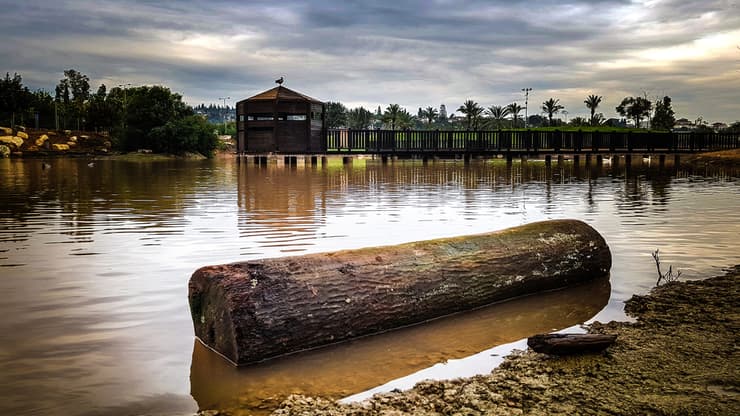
pixel 415 53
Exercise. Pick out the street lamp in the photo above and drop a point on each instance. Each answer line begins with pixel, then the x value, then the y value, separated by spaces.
pixel 526 104
pixel 125 103
pixel 223 115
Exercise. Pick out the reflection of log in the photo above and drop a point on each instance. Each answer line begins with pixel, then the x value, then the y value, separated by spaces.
pixel 565 344
pixel 347 368
pixel 260 309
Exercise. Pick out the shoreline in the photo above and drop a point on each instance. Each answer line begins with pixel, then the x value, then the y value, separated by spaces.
pixel 678 357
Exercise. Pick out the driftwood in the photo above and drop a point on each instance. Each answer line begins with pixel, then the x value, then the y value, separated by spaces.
pixel 567 344
pixel 258 309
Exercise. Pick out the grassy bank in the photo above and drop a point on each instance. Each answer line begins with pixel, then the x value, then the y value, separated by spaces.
pixel 679 357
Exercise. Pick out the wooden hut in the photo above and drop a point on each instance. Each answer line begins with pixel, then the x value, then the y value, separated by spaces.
pixel 280 120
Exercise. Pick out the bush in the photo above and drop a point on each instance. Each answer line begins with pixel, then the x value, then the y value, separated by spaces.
pixel 188 134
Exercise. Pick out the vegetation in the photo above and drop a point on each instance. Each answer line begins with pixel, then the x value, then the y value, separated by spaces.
pixel 473 113
pixel 551 106
pixel 664 117
pixel 592 103
pixel 150 117
pixel 514 109
pixel 635 108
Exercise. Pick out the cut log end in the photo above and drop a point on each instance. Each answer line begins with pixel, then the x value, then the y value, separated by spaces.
pixel 569 344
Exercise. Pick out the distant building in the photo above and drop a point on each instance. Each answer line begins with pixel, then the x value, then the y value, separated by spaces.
pixel 280 120
pixel 615 122
pixel 719 126
pixel 684 124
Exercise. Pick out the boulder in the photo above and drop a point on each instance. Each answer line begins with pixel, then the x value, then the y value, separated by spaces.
pixel 41 140
pixel 4 151
pixel 13 142
pixel 60 147
pixel 22 134
pixel 259 309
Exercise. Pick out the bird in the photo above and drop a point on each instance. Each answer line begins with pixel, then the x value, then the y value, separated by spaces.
pixel 279 81
pixel 45 165
pixel 91 164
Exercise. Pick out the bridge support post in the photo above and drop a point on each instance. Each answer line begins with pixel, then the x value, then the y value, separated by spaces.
pixel 323 161
pixel 588 159
pixel 599 160
pixel 384 159
pixel 661 160
pixel 508 158
pixel 560 159
pixel 676 159
pixel 466 159
pixel 548 160
pixel 576 159
pixel 314 160
pixel 346 160
pixel 523 158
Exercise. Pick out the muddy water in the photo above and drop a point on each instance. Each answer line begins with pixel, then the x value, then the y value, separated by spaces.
pixel 94 263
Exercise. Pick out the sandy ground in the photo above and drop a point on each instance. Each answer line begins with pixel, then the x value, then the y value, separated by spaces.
pixel 680 357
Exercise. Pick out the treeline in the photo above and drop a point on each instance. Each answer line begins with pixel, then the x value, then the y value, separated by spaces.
pixel 473 116
pixel 149 117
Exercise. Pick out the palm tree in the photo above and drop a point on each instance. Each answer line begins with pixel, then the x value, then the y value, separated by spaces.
pixel 551 107
pixel 405 120
pixel 430 114
pixel 472 112
pixel 498 114
pixel 514 109
pixel 592 102
pixel 391 115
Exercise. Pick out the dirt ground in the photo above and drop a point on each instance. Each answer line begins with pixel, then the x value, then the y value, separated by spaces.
pixel 680 357
pixel 720 158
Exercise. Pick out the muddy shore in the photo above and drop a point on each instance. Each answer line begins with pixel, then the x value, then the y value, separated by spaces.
pixel 680 356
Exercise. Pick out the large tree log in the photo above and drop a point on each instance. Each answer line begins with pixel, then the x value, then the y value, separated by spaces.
pixel 258 309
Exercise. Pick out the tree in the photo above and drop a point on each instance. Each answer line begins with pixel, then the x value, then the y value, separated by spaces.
pixel 74 90
pixel 359 118
pixel 429 114
pixel 551 107
pixel 592 102
pixel 514 109
pixel 664 117
pixel 147 109
pixel 405 120
pixel 635 108
pixel 498 115
pixel 472 112
pixel 391 114
pixel 336 115
pixel 579 121
pixel 15 98
pixel 191 133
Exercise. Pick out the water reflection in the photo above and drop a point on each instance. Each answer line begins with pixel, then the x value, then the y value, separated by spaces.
pixel 94 261
pixel 351 367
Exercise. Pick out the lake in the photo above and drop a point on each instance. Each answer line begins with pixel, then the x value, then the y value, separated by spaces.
pixel 95 262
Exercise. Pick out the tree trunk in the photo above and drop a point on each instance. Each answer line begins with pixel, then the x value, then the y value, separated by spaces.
pixel 565 344
pixel 264 308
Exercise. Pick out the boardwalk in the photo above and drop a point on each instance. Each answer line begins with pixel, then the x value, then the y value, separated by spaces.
pixel 445 143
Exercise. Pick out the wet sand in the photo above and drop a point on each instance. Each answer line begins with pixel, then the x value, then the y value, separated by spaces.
pixel 680 356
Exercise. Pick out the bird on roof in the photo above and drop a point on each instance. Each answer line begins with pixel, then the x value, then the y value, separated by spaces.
pixel 279 81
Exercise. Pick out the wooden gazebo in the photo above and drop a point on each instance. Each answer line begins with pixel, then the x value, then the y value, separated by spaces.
pixel 280 120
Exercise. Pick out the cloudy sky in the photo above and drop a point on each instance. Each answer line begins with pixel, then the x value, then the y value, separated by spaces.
pixel 414 53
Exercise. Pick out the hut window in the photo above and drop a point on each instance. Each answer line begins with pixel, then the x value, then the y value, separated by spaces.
pixel 260 117
pixel 241 117
pixel 296 117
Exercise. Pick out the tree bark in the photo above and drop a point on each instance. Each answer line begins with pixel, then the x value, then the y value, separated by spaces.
pixel 566 344
pixel 259 309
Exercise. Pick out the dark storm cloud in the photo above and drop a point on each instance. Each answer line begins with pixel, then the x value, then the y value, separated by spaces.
pixel 415 53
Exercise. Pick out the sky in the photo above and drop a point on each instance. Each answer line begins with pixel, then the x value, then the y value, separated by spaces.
pixel 371 53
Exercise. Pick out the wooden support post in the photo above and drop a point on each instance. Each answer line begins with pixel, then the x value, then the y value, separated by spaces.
pixel 548 160
pixel 560 159
pixel 314 160
pixel 576 159
pixel 661 160
pixel 599 160
pixel 676 159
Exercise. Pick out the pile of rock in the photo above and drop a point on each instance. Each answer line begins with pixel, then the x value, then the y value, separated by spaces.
pixel 16 142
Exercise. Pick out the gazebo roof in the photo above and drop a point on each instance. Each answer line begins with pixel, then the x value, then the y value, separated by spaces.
pixel 281 93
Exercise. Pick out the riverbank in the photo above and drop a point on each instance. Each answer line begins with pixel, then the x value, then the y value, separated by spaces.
pixel 679 357
pixel 723 158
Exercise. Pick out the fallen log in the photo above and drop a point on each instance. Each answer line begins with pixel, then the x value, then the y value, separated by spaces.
pixel 259 309
pixel 568 344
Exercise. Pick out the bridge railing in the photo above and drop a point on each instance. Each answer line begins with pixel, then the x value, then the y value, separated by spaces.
pixel 502 141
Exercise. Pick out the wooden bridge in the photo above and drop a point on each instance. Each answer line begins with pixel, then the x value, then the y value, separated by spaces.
pixel 446 143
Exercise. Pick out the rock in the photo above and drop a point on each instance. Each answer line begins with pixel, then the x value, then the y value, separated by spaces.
pixel 41 140
pixel 4 151
pixel 22 134
pixel 73 139
pixel 6 131
pixel 51 133
pixel 264 308
pixel 71 143
pixel 59 147
pixel 14 142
